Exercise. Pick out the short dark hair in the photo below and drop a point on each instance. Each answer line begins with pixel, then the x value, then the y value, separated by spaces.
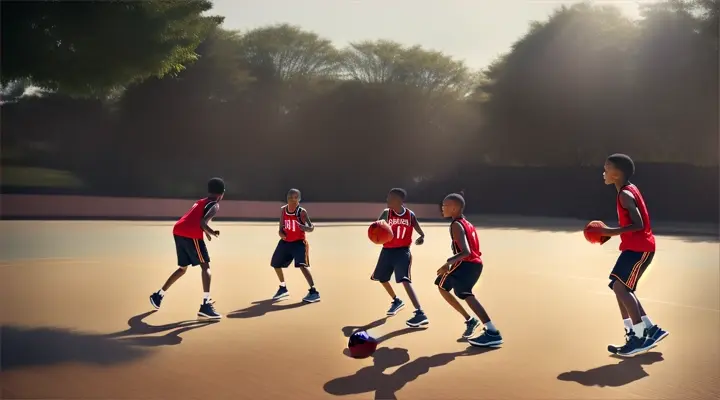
pixel 458 198
pixel 216 186
pixel 399 192
pixel 294 191
pixel 624 163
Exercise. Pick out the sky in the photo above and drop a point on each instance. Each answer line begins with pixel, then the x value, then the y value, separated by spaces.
pixel 476 31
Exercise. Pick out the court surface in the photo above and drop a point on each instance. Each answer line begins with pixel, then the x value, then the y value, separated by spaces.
pixel 77 322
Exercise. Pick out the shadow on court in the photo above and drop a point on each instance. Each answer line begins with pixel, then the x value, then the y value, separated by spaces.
pixel 262 307
pixel 24 347
pixel 138 332
pixel 373 379
pixel 614 375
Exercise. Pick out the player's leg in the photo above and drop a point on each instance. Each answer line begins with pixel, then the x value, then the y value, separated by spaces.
pixel 301 255
pixel 183 260
pixel 207 308
pixel 653 332
pixel 445 285
pixel 623 281
pixel 466 276
pixel 402 264
pixel 281 258
pixel 382 273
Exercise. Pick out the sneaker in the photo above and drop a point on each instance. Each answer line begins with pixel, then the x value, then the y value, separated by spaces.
pixel 614 348
pixel 487 339
pixel 470 326
pixel 207 310
pixel 313 296
pixel 155 300
pixel 654 335
pixel 418 320
pixel 396 305
pixel 281 292
pixel 634 346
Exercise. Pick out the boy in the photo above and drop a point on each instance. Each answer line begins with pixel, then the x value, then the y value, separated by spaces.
pixel 294 222
pixel 190 246
pixel 395 255
pixel 637 249
pixel 462 271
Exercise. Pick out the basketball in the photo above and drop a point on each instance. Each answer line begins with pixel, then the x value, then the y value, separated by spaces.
pixel 380 232
pixel 594 238
pixel 362 345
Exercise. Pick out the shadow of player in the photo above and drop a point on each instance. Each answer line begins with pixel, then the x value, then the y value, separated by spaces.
pixel 24 347
pixel 138 332
pixel 613 375
pixel 348 330
pixel 262 307
pixel 374 379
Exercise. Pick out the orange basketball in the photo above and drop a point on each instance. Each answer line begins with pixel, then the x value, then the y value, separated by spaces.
pixel 379 232
pixel 594 237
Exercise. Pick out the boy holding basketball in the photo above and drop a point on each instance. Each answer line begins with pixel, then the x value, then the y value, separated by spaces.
pixel 395 257
pixel 637 249
pixel 461 272
pixel 190 246
pixel 294 223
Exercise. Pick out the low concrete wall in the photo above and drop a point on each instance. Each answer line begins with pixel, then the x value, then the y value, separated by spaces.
pixel 16 206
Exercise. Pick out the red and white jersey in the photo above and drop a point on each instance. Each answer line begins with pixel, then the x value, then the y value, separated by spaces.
pixel 293 233
pixel 402 228
pixel 189 224
pixel 639 241
pixel 473 242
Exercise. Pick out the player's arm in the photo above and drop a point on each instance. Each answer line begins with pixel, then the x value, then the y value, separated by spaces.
pixel 627 201
pixel 458 235
pixel 305 224
pixel 418 229
pixel 281 230
pixel 384 215
pixel 210 212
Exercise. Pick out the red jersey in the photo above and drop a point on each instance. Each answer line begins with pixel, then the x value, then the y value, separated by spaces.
pixel 402 228
pixel 189 225
pixel 473 242
pixel 639 241
pixel 293 233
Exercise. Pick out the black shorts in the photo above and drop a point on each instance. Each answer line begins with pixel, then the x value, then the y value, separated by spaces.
pixel 396 260
pixel 190 251
pixel 287 252
pixel 461 279
pixel 630 267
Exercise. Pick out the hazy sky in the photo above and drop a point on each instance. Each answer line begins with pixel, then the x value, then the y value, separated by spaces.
pixel 476 31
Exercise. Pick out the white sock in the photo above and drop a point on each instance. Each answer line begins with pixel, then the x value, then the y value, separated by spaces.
pixel 639 329
pixel 161 292
pixel 206 296
pixel 282 284
pixel 628 324
pixel 646 320
pixel 490 326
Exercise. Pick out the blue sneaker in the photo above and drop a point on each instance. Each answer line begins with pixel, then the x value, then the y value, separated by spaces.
pixel 313 296
pixel 634 346
pixel 614 348
pixel 470 326
pixel 207 310
pixel 487 339
pixel 281 292
pixel 654 335
pixel 396 305
pixel 418 320
pixel 156 300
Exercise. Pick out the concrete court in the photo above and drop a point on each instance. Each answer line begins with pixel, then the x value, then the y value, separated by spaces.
pixel 77 322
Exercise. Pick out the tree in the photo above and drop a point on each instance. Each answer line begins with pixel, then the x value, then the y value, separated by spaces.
pixel 92 47
pixel 383 61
